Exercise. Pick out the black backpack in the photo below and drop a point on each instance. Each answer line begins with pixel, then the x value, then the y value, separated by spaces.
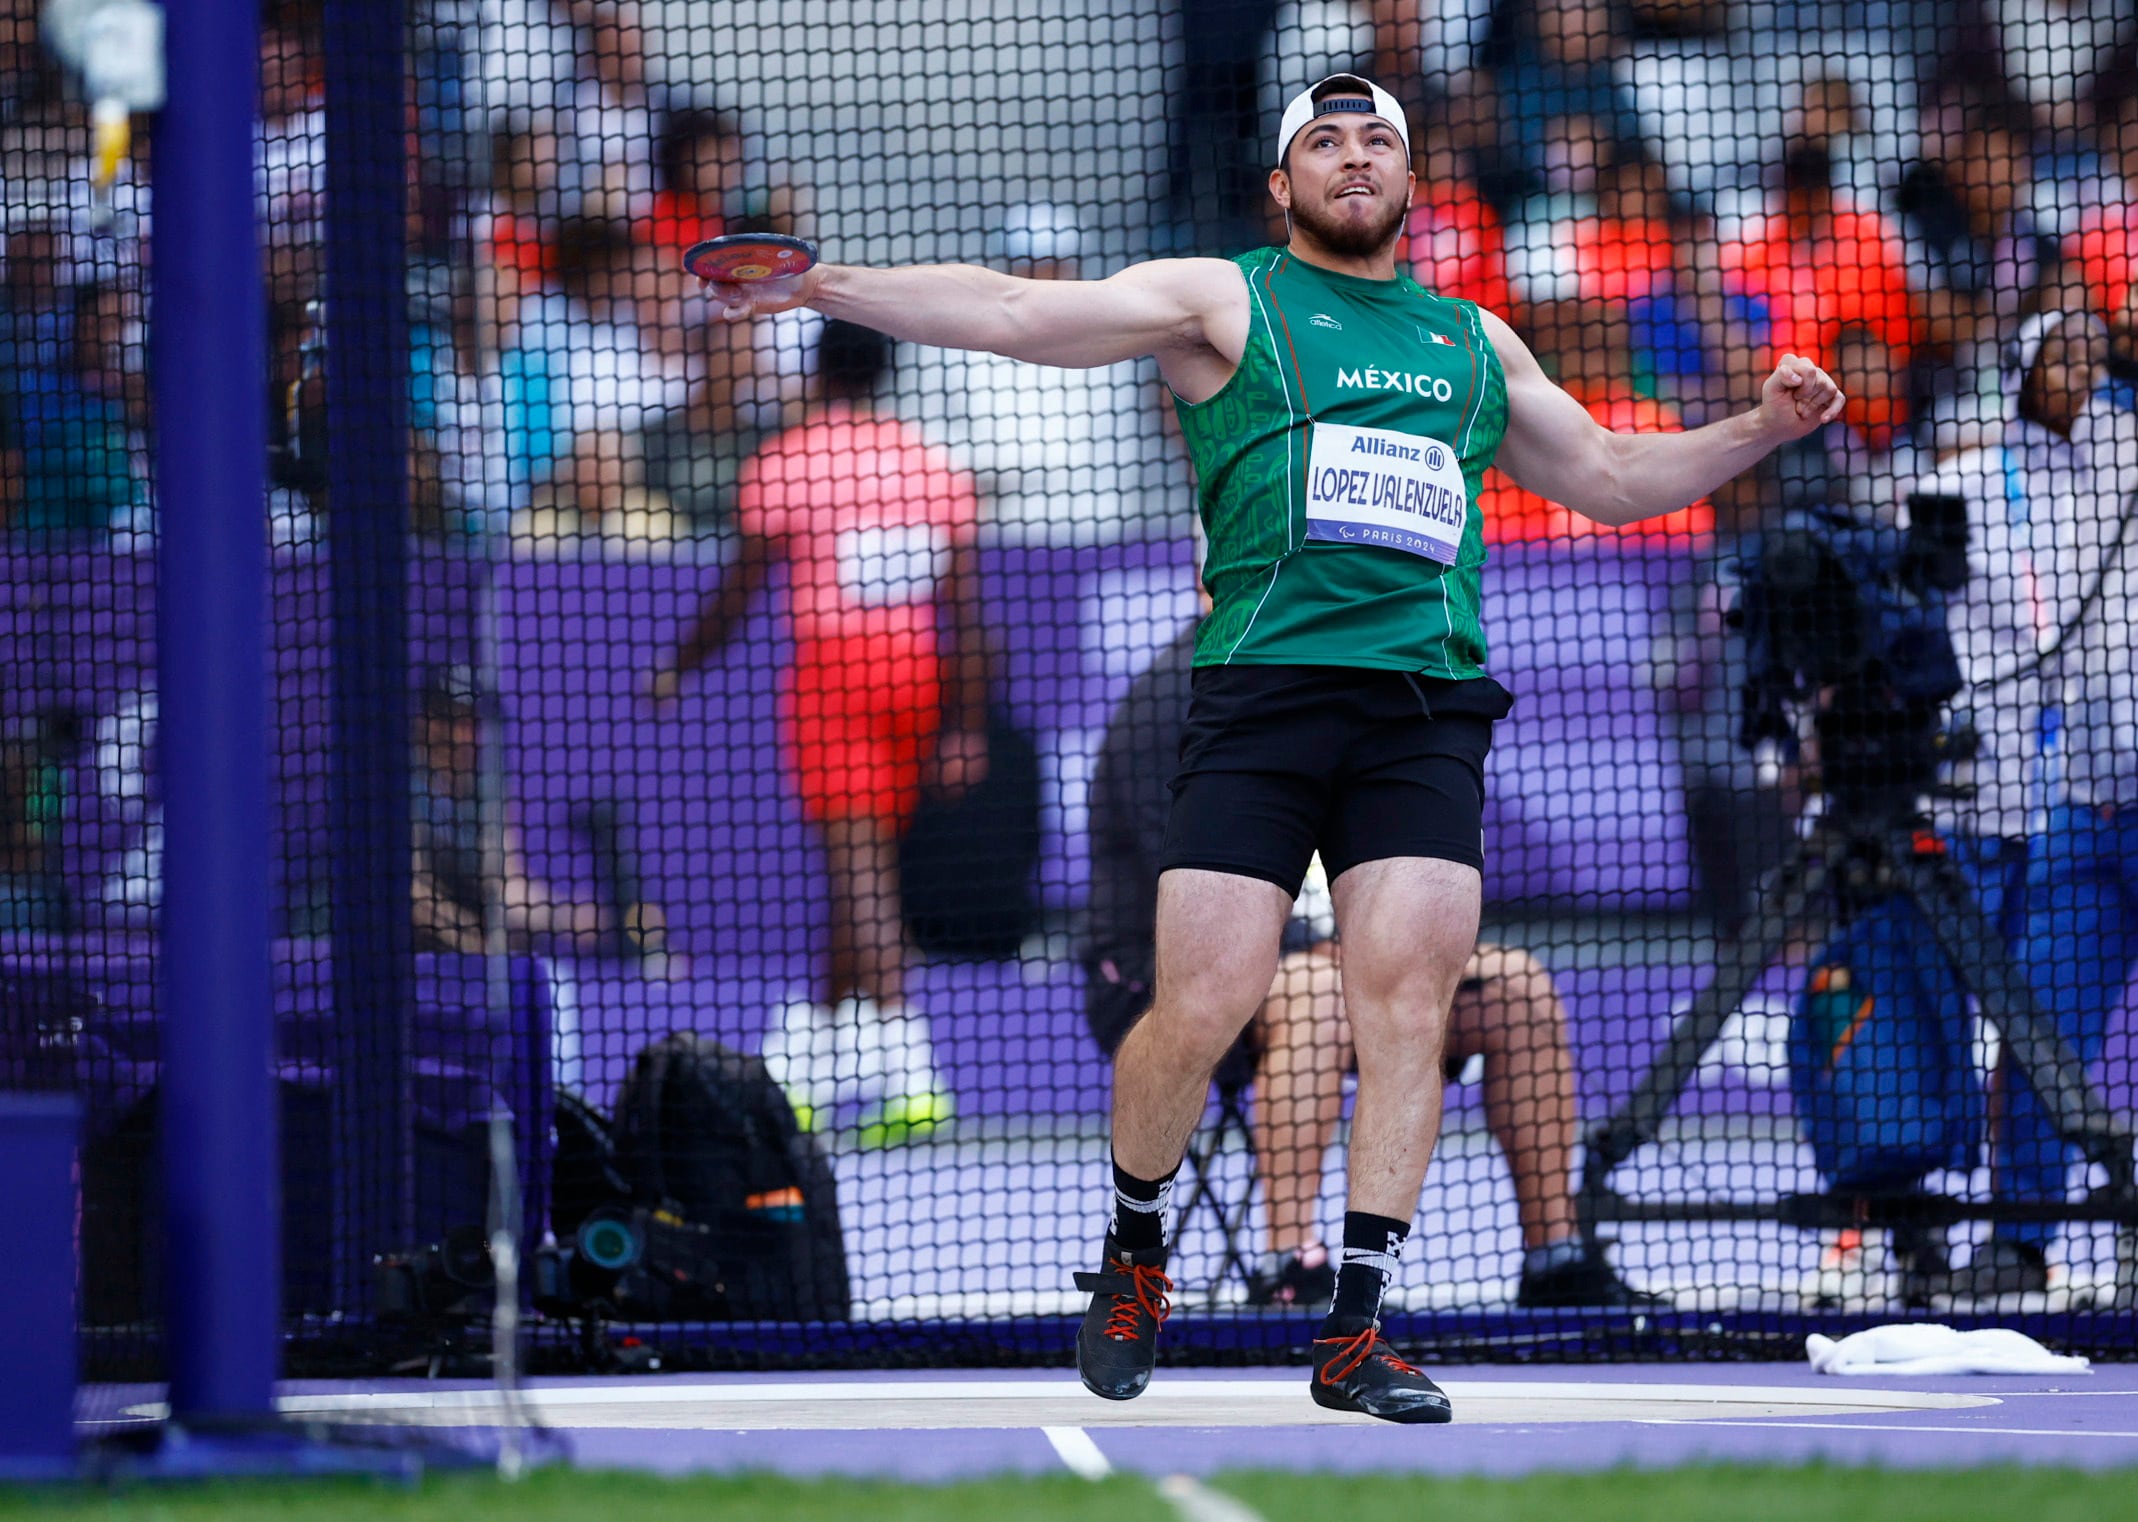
pixel 703 1132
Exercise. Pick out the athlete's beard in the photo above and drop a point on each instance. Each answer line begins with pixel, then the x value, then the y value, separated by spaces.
pixel 1345 238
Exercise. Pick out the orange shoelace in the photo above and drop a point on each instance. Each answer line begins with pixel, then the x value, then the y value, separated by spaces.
pixel 1357 1350
pixel 1150 1298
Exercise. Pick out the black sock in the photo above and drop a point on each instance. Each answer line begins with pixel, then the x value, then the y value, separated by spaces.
pixel 1372 1244
pixel 1139 1222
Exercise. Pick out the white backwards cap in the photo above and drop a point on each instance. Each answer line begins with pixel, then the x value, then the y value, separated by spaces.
pixel 1304 108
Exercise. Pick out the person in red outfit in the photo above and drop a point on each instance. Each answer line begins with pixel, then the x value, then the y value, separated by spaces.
pixel 1455 245
pixel 1587 343
pixel 1821 264
pixel 886 693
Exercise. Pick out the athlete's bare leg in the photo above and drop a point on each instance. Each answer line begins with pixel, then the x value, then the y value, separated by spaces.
pixel 1299 1091
pixel 868 926
pixel 1217 952
pixel 1409 925
pixel 1517 1023
pixel 1513 1018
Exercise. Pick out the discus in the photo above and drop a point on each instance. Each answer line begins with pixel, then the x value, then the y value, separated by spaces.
pixel 744 258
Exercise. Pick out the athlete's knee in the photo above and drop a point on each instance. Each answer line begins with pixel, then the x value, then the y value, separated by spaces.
pixel 1385 982
pixel 1204 1009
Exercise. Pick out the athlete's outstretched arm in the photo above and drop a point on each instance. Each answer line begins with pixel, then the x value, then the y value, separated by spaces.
pixel 1557 450
pixel 1164 307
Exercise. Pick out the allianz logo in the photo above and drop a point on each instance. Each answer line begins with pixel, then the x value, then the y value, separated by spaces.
pixel 1434 386
pixel 1324 320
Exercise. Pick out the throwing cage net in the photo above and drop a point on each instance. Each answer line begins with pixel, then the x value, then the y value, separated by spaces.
pixel 738 751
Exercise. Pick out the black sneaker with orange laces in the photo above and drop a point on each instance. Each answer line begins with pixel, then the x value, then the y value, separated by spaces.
pixel 1117 1347
pixel 1355 1370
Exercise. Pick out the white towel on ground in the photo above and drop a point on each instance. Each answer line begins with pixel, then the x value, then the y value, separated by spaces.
pixel 1926 1348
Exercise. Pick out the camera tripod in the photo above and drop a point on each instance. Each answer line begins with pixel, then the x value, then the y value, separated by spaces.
pixel 1869 850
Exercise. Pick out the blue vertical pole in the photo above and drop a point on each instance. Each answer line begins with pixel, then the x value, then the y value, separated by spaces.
pixel 219 1124
pixel 37 1172
pixel 366 260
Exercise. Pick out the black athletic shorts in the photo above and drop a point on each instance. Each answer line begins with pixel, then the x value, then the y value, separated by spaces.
pixel 1278 762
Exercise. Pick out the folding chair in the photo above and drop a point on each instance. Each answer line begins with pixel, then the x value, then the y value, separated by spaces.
pixel 1230 1218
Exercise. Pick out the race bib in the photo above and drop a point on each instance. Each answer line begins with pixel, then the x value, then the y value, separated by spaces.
pixel 1400 491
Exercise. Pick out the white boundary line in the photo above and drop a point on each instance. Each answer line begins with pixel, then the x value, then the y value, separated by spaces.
pixel 1791 1424
pixel 560 1398
pixel 1196 1502
pixel 1191 1500
pixel 1041 1403
pixel 1074 1447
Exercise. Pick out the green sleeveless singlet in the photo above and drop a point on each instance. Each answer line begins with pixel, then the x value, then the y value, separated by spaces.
pixel 1338 473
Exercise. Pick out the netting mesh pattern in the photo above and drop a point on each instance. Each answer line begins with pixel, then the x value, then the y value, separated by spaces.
pixel 813 695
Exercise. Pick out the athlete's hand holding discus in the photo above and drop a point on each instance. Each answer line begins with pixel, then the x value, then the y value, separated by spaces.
pixel 738 301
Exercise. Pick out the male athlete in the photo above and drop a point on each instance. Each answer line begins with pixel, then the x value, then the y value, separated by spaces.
pixel 1340 417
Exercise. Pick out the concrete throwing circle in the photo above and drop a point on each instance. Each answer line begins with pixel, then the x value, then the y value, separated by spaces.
pixel 861 1405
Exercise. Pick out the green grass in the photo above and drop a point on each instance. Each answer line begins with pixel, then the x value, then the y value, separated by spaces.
pixel 1720 1493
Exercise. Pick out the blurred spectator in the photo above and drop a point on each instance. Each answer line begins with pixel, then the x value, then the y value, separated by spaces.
pixel 1657 20
pixel 296 395
pixel 2123 351
pixel 1555 59
pixel 1061 456
pixel 610 118
pixel 1833 112
pixel 2079 459
pixel 10 469
pixel 1980 250
pixel 596 503
pixel 1827 115
pixel 700 163
pixel 1456 246
pixel 2039 504
pixel 27 73
pixel 1647 252
pixel 694 457
pixel 2104 250
pixel 1584 344
pixel 2053 51
pixel 37 754
pixel 525 210
pixel 2054 462
pixel 1608 230
pixel 469 870
pixel 603 349
pixel 47 154
pixel 292 158
pixel 1820 263
pixel 73 410
pixel 886 695
pixel 459 875
pixel 1625 252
